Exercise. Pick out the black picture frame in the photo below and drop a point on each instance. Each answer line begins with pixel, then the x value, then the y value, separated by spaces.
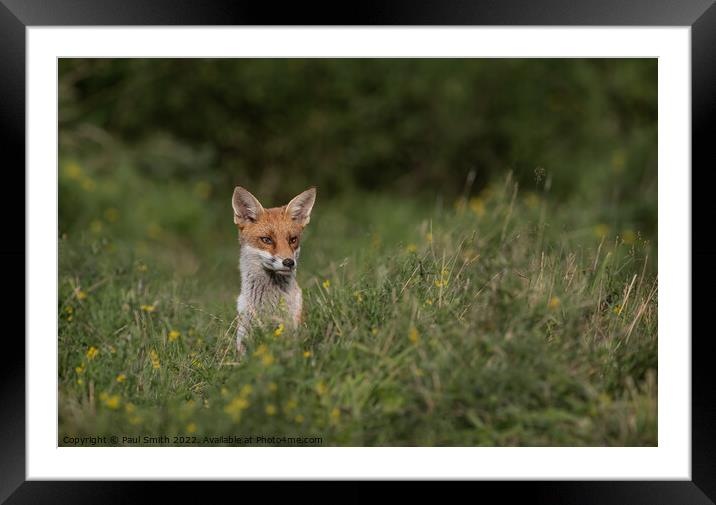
pixel 700 15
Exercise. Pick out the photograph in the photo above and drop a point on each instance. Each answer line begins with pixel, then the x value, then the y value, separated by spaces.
pixel 357 252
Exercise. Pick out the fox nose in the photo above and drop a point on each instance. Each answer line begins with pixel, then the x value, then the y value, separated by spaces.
pixel 288 262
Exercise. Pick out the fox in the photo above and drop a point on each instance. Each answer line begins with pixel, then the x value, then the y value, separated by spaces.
pixel 269 248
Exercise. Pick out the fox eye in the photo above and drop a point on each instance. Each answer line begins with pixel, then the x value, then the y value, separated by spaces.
pixel 293 240
pixel 266 240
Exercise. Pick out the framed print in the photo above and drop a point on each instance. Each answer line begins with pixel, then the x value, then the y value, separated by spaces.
pixel 434 244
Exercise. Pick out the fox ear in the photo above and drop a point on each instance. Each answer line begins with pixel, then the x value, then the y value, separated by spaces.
pixel 299 209
pixel 246 207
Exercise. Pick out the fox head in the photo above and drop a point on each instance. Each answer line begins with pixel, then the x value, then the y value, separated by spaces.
pixel 272 237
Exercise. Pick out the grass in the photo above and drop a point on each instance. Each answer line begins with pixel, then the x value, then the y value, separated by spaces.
pixel 502 319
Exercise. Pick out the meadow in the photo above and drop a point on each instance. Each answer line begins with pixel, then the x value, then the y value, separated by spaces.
pixel 499 319
pixel 480 267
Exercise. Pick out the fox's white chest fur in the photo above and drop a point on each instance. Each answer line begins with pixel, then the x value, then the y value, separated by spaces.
pixel 270 246
pixel 266 297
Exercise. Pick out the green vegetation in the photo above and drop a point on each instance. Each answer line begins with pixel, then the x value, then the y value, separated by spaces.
pixel 478 270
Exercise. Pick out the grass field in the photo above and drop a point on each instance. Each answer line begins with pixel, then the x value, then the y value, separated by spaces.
pixel 500 319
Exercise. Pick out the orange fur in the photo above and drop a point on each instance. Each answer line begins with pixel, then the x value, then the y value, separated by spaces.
pixel 275 224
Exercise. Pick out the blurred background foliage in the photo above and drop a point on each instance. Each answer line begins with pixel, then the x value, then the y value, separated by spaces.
pixel 582 130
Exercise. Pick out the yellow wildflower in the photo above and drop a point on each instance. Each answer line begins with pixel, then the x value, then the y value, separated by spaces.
pixel 298 418
pixel 477 205
pixel 173 335
pixel 617 309
pixel 121 378
pixel 267 360
pixel 191 428
pixel 80 381
pixel 261 350
pixel 628 236
pixel 307 354
pixel 335 415
pixel 271 409
pixel 278 331
pixel 429 238
pixel 532 200
pixel 240 403
pixel 245 390
pixel 111 402
pixel 273 387
pixel 129 407
pixel 80 369
pixel 326 284
pixel 601 230
pixel 142 267
pixel 235 407
pixel 413 335
pixel 429 301
pixel 147 308
pixel 374 331
pixel 81 295
pixel 411 248
pixel 73 170
pixel 92 352
pixel 321 388
pixel 290 405
pixel 443 280
pixel 154 358
pixel 554 302
pixel 358 296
